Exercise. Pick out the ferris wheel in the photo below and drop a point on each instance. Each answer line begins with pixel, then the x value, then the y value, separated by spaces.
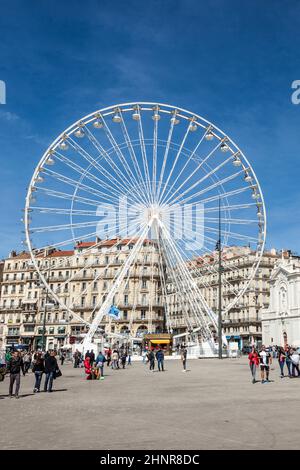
pixel 144 172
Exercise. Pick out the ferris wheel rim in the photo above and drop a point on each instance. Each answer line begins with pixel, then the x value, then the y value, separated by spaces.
pixel 108 111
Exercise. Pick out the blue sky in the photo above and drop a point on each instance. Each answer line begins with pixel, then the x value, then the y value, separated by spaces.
pixel 230 61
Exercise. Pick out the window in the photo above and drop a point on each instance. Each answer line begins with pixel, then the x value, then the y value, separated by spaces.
pixel 125 315
pixel 143 314
pixel 51 330
pixel 125 299
pixel 82 303
pixel 144 284
pixel 28 328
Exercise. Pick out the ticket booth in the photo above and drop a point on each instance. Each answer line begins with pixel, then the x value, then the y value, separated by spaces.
pixel 156 341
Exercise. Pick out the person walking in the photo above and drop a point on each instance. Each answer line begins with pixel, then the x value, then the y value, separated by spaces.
pixel 160 359
pixel 77 357
pixel 295 362
pixel 14 367
pixel 100 360
pixel 253 363
pixel 288 361
pixel 265 359
pixel 151 359
pixel 123 358
pixel 2 359
pixel 183 356
pixel 51 367
pixel 115 359
pixel 145 356
pixel 38 369
pixel 27 361
pixel 129 354
pixel 108 357
pixel 62 358
pixel 92 357
pixel 281 361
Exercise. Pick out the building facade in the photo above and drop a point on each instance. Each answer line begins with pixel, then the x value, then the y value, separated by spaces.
pixel 81 279
pixel 281 321
pixel 242 323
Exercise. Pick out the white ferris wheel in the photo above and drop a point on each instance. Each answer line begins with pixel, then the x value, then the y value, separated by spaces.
pixel 147 171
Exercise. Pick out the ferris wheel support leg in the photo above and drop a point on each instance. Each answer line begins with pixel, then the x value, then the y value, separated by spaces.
pixel 88 340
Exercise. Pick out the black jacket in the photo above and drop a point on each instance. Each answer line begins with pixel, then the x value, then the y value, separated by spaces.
pixel 50 364
pixel 38 366
pixel 15 366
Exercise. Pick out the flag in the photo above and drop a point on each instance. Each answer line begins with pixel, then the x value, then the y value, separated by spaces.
pixel 114 312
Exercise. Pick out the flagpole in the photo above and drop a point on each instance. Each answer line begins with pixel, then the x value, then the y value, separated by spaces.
pixel 220 286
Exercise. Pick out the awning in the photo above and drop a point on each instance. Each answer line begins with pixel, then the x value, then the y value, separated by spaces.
pixel 160 341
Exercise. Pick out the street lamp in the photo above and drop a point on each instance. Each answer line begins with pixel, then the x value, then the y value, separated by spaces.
pixel 45 288
pixel 219 247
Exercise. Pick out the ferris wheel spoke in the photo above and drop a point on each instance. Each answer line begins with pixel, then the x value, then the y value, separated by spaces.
pixel 85 173
pixel 133 157
pixel 117 281
pixel 217 196
pixel 164 289
pixel 207 175
pixel 232 207
pixel 219 183
pixel 60 211
pixel 179 290
pixel 78 185
pixel 187 285
pixel 183 265
pixel 165 199
pixel 87 265
pixel 232 221
pixel 154 158
pixel 174 163
pixel 132 179
pixel 117 183
pixel 197 256
pixel 100 276
pixel 69 197
pixel 223 232
pixel 166 153
pixel 205 265
pixel 144 155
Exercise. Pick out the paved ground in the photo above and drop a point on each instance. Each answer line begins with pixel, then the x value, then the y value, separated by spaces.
pixel 213 406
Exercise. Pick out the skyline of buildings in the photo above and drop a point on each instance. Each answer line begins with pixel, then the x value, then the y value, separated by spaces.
pixel 81 279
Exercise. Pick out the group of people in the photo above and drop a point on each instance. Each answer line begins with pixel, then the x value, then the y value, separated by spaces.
pixel 14 363
pixel 286 356
pixel 149 356
pixel 116 358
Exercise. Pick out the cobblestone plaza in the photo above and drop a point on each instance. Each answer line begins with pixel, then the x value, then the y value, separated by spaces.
pixel 212 406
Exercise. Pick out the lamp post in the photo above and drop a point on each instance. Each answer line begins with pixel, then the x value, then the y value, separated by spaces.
pixel 45 311
pixel 220 286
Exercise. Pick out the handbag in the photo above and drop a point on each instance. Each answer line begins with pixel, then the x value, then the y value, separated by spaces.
pixel 57 373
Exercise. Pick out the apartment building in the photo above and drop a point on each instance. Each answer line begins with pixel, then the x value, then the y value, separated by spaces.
pixel 242 323
pixel 81 279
